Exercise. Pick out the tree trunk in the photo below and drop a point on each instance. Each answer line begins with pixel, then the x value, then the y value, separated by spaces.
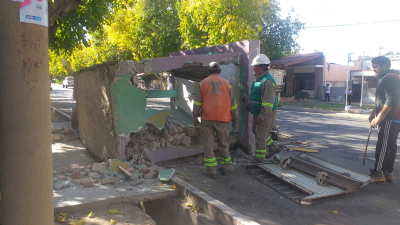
pixel 26 157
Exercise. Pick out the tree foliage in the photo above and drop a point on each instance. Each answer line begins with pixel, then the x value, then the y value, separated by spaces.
pixel 278 36
pixel 211 22
pixel 104 30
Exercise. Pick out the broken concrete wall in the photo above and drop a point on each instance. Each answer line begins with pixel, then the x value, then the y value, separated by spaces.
pixel 109 107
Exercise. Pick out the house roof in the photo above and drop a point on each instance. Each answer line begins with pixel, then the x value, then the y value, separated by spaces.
pixel 294 59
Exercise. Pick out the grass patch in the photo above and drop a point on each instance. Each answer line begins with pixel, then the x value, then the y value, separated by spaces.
pixel 337 107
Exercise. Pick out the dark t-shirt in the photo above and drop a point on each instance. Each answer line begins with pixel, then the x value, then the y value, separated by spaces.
pixel 388 93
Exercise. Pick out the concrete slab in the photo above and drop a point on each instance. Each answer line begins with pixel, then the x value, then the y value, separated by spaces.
pixel 142 193
pixel 79 197
pixel 217 210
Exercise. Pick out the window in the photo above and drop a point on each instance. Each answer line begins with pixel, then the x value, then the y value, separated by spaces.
pixel 308 84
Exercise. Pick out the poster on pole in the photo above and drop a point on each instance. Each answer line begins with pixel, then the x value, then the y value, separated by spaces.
pixel 34 11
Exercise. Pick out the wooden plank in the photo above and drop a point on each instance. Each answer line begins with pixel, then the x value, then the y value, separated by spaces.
pixel 303 148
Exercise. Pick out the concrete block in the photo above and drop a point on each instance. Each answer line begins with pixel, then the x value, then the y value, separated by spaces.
pixel 56 137
pixel 108 180
pixel 186 141
pixel 136 182
pixel 151 138
pixel 61 184
pixel 76 176
pixel 171 139
pixel 178 139
pixel 143 166
pixel 149 170
pixel 87 183
pixel 76 181
pixel 168 145
pixel 190 131
pixel 130 169
pixel 95 175
pixel 163 143
pixel 146 155
pixel 153 146
pixel 97 167
pixel 151 175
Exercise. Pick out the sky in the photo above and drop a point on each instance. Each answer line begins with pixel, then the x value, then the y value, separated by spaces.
pixel 337 41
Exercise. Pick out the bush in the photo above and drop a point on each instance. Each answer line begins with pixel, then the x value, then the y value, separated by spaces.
pixel 286 95
pixel 301 94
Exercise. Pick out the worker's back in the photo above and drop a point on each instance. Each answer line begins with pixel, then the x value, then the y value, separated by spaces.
pixel 216 102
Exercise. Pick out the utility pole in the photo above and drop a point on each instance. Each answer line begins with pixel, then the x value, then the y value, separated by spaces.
pixel 25 123
pixel 362 81
pixel 347 79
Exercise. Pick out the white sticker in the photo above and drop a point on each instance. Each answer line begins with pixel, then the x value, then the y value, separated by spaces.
pixel 34 11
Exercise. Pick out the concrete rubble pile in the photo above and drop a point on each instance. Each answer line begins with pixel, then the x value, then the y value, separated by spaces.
pixel 60 134
pixel 112 172
pixel 151 138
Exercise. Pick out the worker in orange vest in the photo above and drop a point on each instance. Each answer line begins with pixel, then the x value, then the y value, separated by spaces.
pixel 215 103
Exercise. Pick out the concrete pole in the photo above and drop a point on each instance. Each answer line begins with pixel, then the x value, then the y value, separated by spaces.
pixel 362 82
pixel 25 126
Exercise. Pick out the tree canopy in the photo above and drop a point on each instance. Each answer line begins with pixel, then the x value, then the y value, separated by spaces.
pixel 104 30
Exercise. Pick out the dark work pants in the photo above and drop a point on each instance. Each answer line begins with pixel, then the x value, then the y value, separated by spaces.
pixel 348 99
pixel 327 97
pixel 386 147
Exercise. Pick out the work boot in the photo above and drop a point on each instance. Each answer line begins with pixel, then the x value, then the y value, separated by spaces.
pixel 272 151
pixel 211 172
pixel 257 160
pixel 377 177
pixel 388 177
pixel 227 170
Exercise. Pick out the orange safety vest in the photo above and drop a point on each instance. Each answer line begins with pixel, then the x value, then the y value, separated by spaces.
pixel 216 104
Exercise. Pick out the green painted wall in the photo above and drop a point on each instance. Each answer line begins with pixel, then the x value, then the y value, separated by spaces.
pixel 128 105
pixel 162 93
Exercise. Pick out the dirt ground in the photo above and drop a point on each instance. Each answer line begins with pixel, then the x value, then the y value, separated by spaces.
pixel 128 214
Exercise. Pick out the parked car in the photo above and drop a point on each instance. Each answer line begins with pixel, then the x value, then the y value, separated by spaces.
pixel 68 82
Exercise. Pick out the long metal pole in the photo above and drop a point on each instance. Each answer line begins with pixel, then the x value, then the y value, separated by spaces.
pixel 362 81
pixel 25 123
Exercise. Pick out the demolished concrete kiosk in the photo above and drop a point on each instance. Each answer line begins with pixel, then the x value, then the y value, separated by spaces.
pixel 115 123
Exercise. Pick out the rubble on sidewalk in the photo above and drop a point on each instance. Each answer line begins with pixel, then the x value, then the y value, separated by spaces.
pixel 151 138
pixel 60 134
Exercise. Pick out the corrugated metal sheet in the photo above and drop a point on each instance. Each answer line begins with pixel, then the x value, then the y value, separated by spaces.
pixel 301 175
pixel 303 182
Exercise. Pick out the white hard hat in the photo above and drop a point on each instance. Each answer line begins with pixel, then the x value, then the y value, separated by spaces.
pixel 260 59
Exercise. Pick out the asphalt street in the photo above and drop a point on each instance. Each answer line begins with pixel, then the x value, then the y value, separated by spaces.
pixel 61 98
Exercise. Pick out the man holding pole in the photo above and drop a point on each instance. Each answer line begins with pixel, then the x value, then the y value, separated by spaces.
pixel 385 116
